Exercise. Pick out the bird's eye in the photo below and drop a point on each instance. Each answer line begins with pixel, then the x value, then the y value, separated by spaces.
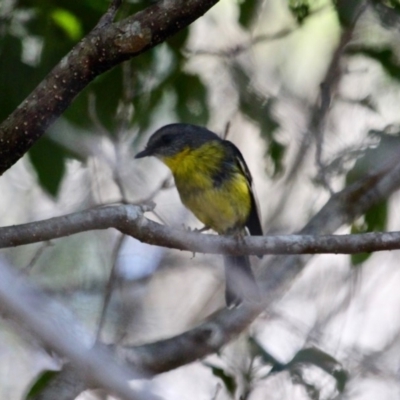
pixel 166 139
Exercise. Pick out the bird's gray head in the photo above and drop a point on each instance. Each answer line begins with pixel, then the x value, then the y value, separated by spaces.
pixel 174 138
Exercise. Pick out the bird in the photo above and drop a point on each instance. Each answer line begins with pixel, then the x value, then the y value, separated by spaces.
pixel 215 184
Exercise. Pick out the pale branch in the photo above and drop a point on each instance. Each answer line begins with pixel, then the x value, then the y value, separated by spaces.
pixel 106 46
pixel 235 50
pixel 58 329
pixel 129 220
pixel 352 10
pixel 207 338
pixel 273 279
pixel 110 286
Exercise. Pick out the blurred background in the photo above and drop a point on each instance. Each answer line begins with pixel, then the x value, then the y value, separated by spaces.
pixel 310 94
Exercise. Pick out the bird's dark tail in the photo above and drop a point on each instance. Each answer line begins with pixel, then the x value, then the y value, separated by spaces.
pixel 241 285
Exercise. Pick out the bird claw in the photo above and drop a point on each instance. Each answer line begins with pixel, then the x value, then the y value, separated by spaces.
pixel 203 229
pixel 195 230
pixel 148 206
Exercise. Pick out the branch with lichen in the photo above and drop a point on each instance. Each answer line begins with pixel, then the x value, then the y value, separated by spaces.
pixel 107 45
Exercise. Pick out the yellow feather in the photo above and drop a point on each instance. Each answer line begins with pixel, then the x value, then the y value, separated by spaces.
pixel 223 207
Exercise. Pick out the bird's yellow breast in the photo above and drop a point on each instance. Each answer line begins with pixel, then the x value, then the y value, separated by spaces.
pixel 223 204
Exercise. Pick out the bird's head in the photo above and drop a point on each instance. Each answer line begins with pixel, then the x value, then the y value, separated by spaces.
pixel 172 139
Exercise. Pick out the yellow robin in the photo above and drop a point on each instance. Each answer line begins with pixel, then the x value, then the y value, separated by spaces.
pixel 213 182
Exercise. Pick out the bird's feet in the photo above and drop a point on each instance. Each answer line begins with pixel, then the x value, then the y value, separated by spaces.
pixel 196 230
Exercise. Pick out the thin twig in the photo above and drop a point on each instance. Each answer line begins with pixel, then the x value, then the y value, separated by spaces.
pixel 242 47
pixel 109 16
pixel 123 116
pixel 327 87
pixel 320 112
pixel 37 255
pixel 237 49
pixel 227 129
pixel 110 285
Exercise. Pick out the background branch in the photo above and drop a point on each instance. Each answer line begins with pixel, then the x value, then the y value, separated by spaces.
pixel 57 329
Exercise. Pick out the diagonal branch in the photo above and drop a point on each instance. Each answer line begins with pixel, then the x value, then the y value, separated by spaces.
pixel 107 45
pixel 57 329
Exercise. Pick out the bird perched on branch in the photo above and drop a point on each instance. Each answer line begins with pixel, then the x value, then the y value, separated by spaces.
pixel 214 183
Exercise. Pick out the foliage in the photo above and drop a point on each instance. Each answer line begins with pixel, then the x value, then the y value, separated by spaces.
pixel 56 27
pixel 40 383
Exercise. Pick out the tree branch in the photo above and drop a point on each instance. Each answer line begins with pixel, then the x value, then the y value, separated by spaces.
pixel 57 329
pixel 109 16
pixel 129 219
pixel 107 45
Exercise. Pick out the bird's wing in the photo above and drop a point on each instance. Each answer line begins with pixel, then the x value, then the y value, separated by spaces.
pixel 253 222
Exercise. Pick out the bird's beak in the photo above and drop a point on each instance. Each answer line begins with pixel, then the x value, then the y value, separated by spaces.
pixel 144 153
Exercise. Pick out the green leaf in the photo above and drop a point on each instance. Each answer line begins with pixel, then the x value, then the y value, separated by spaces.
pixel 68 22
pixel 40 384
pixel 13 70
pixel 229 380
pixel 310 355
pixel 348 11
pixel 376 217
pixel 248 10
pixel 341 377
pixel 277 151
pixel 300 9
pixel 48 160
pixel 358 258
pixel 324 361
pixel 392 4
pixel 375 220
pixel 177 42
